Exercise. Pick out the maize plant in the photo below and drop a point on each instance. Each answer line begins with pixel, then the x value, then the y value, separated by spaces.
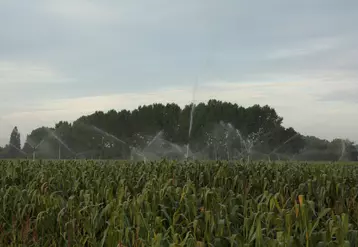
pixel 166 203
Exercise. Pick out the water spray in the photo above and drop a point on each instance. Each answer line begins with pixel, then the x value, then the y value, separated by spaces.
pixel 191 118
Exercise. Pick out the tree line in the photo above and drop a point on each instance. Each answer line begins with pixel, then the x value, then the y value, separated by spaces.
pixel 219 130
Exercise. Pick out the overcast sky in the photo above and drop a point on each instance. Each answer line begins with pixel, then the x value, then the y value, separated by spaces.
pixel 62 59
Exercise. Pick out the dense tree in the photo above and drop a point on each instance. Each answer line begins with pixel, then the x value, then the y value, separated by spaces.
pixel 14 147
pixel 15 140
pixel 218 130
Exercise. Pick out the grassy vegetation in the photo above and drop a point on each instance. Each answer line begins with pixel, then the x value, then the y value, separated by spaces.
pixel 88 203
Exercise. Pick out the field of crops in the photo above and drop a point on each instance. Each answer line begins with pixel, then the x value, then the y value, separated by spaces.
pixel 116 203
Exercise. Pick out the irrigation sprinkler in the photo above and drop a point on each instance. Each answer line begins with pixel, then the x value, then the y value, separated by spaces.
pixel 34 148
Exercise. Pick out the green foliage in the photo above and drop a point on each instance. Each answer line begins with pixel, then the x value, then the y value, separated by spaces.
pixel 88 203
pixel 172 120
pixel 273 141
pixel 15 138
pixel 13 149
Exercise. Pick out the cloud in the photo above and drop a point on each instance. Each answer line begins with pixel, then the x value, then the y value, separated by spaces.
pixel 342 95
pixel 81 11
pixel 346 93
pixel 306 48
pixel 23 84
pixel 17 74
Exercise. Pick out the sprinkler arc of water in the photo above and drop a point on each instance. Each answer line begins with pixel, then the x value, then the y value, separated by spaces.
pixel 158 147
pixel 191 119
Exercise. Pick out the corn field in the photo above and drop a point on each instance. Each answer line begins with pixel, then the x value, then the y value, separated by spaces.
pixel 118 203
